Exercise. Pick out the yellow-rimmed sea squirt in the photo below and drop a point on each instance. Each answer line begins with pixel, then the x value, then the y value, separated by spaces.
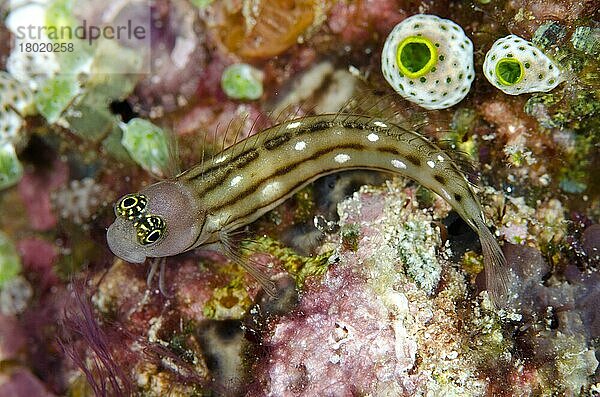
pixel 208 202
pixel 516 66
pixel 429 61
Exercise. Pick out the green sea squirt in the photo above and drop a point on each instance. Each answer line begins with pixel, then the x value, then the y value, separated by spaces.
pixel 516 66
pixel 429 61
pixel 207 203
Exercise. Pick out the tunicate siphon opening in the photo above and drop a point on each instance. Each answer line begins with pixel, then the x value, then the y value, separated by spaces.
pixel 416 56
pixel 509 71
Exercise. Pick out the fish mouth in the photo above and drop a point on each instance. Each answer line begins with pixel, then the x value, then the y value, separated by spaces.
pixel 120 237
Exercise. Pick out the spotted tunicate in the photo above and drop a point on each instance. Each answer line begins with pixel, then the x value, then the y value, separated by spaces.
pixel 15 101
pixel 515 66
pixel 429 61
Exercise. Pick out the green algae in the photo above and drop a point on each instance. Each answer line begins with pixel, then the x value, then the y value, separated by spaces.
pixel 350 234
pixel 587 40
pixel 90 117
pixel 10 264
pixel 147 144
pixel 229 302
pixel 485 342
pixel 549 35
pixel 568 370
pixel 576 115
pixel 578 111
pixel 232 300
pixel 460 137
pixel 11 170
pixel 550 38
pixel 79 387
pixel 59 13
pixel 179 343
pixel 472 263
pixel 202 3
pixel 242 81
pixel 425 197
pixel 571 182
pixel 305 201
pixel 301 267
pixel 113 146
pixel 463 121
pixel 55 96
pixel 59 16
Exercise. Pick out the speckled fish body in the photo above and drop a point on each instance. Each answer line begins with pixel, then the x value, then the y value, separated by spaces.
pixel 242 183
pixel 248 179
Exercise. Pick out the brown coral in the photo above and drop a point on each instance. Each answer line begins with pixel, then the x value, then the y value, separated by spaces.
pixel 266 28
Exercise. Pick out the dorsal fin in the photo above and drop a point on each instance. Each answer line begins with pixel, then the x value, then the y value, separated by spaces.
pixel 361 100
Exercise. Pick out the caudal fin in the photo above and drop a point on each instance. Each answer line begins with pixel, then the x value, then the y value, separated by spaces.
pixel 496 269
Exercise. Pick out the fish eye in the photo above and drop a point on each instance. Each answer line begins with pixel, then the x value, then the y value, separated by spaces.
pixel 150 228
pixel 131 206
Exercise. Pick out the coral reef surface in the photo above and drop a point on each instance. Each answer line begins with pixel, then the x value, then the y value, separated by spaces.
pixel 379 288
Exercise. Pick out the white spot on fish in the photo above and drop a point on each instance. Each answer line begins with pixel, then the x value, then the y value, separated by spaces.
pixel 398 164
pixel 236 180
pixel 431 164
pixel 341 158
pixel 220 159
pixel 380 124
pixel 293 125
pixel 440 157
pixel 300 145
pixel 373 137
pixel 271 189
pixel 446 194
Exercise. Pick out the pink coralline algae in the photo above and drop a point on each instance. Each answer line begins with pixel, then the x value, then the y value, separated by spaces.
pixel 38 257
pixel 12 339
pixel 21 383
pixel 35 189
pixel 353 20
pixel 342 344
pixel 370 326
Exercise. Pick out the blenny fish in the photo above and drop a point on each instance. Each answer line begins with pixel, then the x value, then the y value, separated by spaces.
pixel 207 203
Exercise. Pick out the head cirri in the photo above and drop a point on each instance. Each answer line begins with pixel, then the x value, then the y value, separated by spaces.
pixel 161 220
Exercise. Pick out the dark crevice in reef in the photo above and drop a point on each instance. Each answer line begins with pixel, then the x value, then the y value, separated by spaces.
pixel 123 109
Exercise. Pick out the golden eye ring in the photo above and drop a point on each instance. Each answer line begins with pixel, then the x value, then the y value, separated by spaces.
pixel 149 229
pixel 131 206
